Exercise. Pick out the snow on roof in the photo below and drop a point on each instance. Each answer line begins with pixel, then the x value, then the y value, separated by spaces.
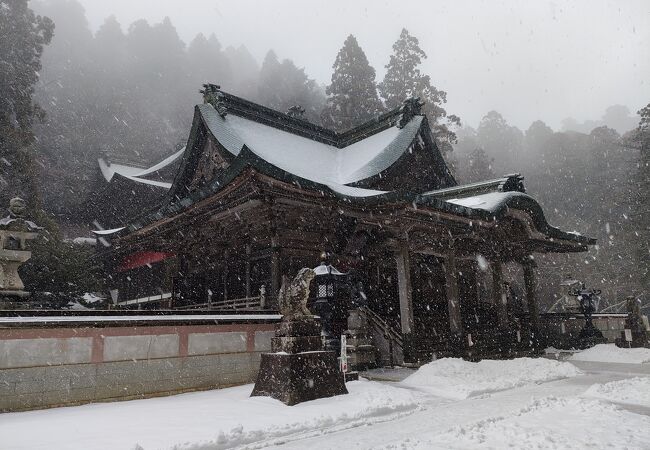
pixel 107 232
pixel 313 160
pixel 162 164
pixel 108 170
pixel 135 173
pixel 161 184
pixel 354 191
pixel 325 270
pixel 488 202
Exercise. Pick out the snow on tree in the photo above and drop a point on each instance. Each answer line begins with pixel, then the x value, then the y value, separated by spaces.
pixel 352 96
pixel 404 79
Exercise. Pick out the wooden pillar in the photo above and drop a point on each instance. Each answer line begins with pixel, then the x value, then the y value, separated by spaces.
pixel 248 270
pixel 530 280
pixel 453 301
pixel 403 260
pixel 499 297
pixel 226 263
pixel 276 276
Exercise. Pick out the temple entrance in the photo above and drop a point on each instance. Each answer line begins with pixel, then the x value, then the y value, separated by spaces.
pixel 479 315
pixel 430 313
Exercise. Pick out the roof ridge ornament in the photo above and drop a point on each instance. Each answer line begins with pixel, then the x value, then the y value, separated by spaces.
pixel 296 111
pixel 412 107
pixel 513 182
pixel 212 94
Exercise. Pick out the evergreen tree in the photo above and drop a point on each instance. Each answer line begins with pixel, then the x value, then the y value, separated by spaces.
pixel 207 62
pixel 537 138
pixel 478 167
pixel 640 214
pixel 283 85
pixel 352 96
pixel 404 79
pixel 500 140
pixel 24 36
pixel 245 72
pixel 69 86
pixel 270 83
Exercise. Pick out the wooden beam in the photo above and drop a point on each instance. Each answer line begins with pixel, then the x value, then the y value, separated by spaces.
pixel 405 288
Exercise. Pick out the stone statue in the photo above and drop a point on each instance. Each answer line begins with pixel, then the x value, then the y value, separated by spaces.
pixel 15 230
pixel 293 296
pixel 298 369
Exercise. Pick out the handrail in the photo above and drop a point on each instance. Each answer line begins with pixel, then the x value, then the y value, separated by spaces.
pixel 385 327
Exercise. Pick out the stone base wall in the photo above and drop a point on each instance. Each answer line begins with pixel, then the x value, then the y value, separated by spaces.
pixel 43 367
pixel 562 330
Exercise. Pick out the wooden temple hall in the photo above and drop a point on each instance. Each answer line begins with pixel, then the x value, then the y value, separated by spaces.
pixel 258 194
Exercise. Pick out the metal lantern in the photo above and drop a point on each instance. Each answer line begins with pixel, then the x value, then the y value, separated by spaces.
pixel 329 283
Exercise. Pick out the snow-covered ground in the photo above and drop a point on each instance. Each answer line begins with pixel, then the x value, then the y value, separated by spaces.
pixel 450 404
pixel 611 353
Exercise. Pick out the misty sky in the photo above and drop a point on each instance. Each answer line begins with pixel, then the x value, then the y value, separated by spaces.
pixel 528 60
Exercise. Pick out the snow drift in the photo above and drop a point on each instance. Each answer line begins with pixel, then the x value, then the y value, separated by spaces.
pixel 632 391
pixel 613 354
pixel 552 423
pixel 458 379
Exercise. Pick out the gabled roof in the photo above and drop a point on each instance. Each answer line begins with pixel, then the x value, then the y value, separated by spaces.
pixel 308 151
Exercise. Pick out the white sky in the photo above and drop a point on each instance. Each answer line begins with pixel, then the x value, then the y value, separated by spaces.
pixel 527 59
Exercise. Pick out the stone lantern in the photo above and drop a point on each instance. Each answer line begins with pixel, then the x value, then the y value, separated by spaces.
pixel 331 302
pixel 15 231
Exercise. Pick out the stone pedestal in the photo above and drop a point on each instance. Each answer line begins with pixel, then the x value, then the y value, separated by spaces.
pixel 10 260
pixel 590 336
pixel 638 325
pixel 15 231
pixel 299 370
pixel 362 354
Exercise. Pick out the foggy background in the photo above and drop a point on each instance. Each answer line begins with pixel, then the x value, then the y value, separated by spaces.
pixel 528 60
pixel 547 89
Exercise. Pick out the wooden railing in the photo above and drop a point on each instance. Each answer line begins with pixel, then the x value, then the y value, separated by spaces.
pixel 393 352
pixel 246 303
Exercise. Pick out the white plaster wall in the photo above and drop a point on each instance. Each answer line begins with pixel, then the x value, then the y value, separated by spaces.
pixel 122 348
pixel 263 340
pixel 44 352
pixel 211 343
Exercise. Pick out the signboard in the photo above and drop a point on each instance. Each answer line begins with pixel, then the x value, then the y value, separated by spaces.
pixel 628 335
pixel 344 354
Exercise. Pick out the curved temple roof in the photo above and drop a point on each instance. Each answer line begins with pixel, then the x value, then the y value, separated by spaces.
pixel 317 159
pixel 307 158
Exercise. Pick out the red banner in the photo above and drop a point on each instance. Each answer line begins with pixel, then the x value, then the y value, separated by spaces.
pixel 140 259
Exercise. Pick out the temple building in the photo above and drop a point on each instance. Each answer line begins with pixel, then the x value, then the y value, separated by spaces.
pixel 259 194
